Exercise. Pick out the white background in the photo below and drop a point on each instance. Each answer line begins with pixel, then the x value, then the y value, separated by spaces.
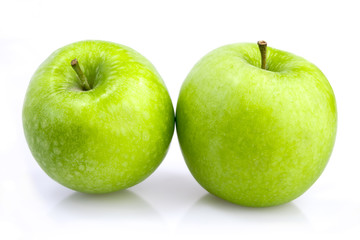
pixel 174 35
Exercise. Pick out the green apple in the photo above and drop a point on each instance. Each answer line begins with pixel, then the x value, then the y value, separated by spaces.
pixel 255 133
pixel 105 126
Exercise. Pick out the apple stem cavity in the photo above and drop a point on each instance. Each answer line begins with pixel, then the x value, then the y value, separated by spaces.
pixel 83 80
pixel 262 46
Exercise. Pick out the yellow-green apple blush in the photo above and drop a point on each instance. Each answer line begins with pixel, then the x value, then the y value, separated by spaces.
pixel 97 117
pixel 256 127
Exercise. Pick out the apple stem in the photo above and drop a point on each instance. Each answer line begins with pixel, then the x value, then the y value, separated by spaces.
pixel 83 81
pixel 262 46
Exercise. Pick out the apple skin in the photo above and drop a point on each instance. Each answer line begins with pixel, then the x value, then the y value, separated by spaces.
pixel 106 139
pixel 251 136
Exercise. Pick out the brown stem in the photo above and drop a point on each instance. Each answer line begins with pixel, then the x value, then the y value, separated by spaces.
pixel 83 81
pixel 262 46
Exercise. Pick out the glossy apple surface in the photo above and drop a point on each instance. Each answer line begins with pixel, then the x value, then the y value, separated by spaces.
pixel 251 136
pixel 105 139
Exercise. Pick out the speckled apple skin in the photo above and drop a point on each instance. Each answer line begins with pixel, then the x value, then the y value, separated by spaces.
pixel 251 136
pixel 106 139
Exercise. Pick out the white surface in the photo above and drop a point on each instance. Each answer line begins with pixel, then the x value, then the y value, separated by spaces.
pixel 173 36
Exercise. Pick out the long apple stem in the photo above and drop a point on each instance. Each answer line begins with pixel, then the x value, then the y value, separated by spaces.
pixel 262 46
pixel 83 81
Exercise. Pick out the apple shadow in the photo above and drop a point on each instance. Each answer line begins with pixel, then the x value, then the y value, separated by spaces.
pixel 122 207
pixel 217 215
pixel 170 191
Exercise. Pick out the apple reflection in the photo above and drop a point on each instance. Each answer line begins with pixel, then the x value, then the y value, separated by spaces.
pixel 215 215
pixel 123 207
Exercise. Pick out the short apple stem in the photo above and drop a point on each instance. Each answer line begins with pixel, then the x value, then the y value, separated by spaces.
pixel 83 81
pixel 262 46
